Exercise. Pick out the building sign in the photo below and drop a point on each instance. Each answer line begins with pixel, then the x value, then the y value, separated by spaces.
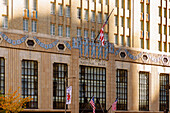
pixel 92 62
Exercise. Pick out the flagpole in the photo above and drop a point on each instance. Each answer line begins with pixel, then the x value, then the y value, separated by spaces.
pixel 104 25
pixel 85 107
pixel 100 105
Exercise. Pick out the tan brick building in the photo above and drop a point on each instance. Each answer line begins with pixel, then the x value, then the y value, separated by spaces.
pixel 46 45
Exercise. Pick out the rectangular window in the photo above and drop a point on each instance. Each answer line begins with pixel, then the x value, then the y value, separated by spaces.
pixel 25 24
pixel 60 30
pixel 142 25
pixel 26 4
pixel 99 17
pixel 160 29
pixel 169 31
pixel 105 17
pixel 169 47
pixel 85 33
pixel 142 7
pixel 35 5
pixel 165 12
pixel 93 16
pixel 92 82
pixel 147 26
pixel 34 26
pixel 52 29
pixel 128 41
pixel 123 3
pixel 169 13
pixel 5 2
pixel 164 47
pixel 160 45
pixel 53 8
pixel 122 40
pixel 164 29
pixel 128 23
pixel 78 32
pixel 121 88
pixel 106 2
pixel 116 20
pixel 160 11
pixel 5 21
pixel 99 1
pixel 116 3
pixel 30 82
pixel 86 16
pixel 148 9
pixel 122 21
pixel 92 34
pixel 79 13
pixel 106 36
pixel 116 39
pixel 60 10
pixel 142 43
pixel 67 31
pixel 2 76
pixel 60 73
pixel 128 4
pixel 147 44
pixel 67 11
pixel 143 91
pixel 163 92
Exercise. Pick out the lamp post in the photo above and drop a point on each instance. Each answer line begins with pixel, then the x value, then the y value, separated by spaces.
pixel 66 79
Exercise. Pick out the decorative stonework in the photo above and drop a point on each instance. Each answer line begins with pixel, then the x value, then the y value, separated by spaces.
pixel 26 42
pixel 61 43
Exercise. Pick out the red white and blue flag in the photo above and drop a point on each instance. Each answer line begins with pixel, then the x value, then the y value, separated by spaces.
pixel 93 104
pixel 114 105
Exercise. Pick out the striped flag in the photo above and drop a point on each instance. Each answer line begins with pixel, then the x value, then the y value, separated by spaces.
pixel 114 105
pixel 93 104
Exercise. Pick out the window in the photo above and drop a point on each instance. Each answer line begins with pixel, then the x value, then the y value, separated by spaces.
pixel 99 1
pixel 26 4
pixel 123 3
pixel 93 16
pixel 116 20
pixel 147 26
pixel 165 12
pixel 34 26
pixel 160 29
pixel 67 11
pixel 116 39
pixel 169 31
pixel 30 82
pixel 128 23
pixel 60 10
pixel 128 41
pixel 106 2
pixel 147 8
pixel 160 11
pixel 86 16
pixel 142 7
pixel 164 29
pixel 92 82
pixel 169 47
pixel 60 30
pixel 169 13
pixel 143 91
pixel 5 2
pixel 53 8
pixel 122 40
pixel 121 88
pixel 147 43
pixel 79 13
pixel 78 32
pixel 5 21
pixel 2 76
pixel 85 33
pixel 160 45
pixel 67 31
pixel 92 34
pixel 128 4
pixel 60 73
pixel 106 36
pixel 142 43
pixel 142 25
pixel 122 21
pixel 163 92
pixel 35 5
pixel 116 3
pixel 105 17
pixel 99 17
pixel 52 29
pixel 164 47
pixel 25 25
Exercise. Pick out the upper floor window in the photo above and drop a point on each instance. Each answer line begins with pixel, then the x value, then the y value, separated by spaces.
pixel 128 41
pixel 122 21
pixel 105 17
pixel 86 16
pixel 116 20
pixel 5 21
pixel 30 82
pixel 2 76
pixel 67 31
pixel 60 30
pixel 143 91
pixel 106 36
pixel 52 29
pixel 67 11
pixel 26 4
pixel 116 39
pixel 60 10
pixel 78 32
pixel 25 25
pixel 92 16
pixel 128 4
pixel 85 33
pixel 121 88
pixel 5 2
pixel 79 13
pixel 34 4
pixel 53 8
pixel 34 26
pixel 92 34
pixel 99 17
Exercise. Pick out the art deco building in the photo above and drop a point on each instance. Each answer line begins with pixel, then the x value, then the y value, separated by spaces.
pixel 46 45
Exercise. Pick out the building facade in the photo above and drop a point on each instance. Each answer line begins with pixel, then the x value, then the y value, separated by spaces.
pixel 46 45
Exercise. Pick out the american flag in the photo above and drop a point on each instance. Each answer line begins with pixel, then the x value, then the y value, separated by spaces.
pixel 114 105
pixel 92 104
